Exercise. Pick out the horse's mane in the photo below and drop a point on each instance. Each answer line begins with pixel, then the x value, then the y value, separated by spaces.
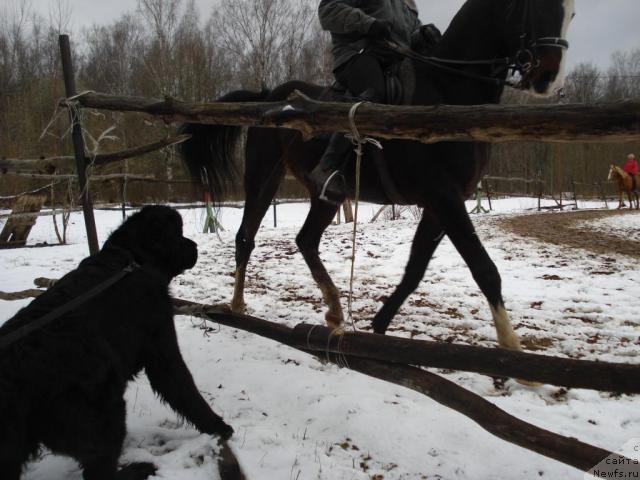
pixel 620 171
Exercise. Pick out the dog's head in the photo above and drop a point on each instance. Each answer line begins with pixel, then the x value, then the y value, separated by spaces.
pixel 154 236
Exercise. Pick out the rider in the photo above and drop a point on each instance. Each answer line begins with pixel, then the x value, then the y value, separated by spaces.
pixel 631 167
pixel 358 28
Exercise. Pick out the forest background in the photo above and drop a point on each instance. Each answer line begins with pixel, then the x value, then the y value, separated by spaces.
pixel 167 47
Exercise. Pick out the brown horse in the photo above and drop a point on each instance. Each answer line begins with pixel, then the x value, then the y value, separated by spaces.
pixel 625 184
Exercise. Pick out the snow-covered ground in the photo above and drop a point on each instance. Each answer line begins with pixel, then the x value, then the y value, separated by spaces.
pixel 625 226
pixel 298 419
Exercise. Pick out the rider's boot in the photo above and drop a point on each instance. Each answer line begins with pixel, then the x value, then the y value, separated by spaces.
pixel 327 175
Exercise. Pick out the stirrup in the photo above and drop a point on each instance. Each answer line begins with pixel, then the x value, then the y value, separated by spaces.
pixel 323 191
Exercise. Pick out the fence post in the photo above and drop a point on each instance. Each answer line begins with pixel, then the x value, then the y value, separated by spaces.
pixel 487 190
pixel 540 188
pixel 604 196
pixel 78 146
pixel 275 213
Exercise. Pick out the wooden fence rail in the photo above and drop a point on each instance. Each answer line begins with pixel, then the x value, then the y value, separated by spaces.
pixel 48 165
pixel 493 419
pixel 614 122
pixel 604 376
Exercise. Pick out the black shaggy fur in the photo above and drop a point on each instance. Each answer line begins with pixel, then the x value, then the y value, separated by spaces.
pixel 62 386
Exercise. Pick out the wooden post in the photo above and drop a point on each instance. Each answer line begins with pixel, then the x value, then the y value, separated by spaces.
pixel 487 190
pixel 540 187
pixel 78 146
pixel 275 213
pixel 604 196
pixel 348 211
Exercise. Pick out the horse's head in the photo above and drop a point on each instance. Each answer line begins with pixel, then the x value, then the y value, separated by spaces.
pixel 612 170
pixel 537 41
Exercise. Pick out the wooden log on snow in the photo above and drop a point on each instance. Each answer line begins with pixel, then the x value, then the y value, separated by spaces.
pixel 603 376
pixel 496 421
pixel 612 122
pixel 493 419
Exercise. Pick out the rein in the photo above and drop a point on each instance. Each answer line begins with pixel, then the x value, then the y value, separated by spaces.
pixel 523 61
pixel 6 340
pixel 441 64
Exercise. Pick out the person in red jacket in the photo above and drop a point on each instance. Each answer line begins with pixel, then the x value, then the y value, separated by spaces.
pixel 631 167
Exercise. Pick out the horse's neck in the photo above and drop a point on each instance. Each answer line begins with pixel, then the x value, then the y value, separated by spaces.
pixel 621 177
pixel 472 35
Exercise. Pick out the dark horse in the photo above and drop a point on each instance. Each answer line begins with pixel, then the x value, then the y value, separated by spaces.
pixel 526 34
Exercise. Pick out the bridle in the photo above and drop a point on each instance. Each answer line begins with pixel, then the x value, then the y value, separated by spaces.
pixel 526 58
pixel 523 61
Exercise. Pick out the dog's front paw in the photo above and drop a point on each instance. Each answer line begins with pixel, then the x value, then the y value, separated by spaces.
pixel 224 431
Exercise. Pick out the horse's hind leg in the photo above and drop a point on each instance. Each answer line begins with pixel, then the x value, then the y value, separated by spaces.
pixel 308 241
pixel 264 169
pixel 452 212
pixel 426 240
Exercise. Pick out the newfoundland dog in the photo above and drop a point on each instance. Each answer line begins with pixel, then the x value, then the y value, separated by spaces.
pixel 62 384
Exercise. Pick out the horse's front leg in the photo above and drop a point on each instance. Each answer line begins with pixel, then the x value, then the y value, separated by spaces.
pixel 426 240
pixel 262 177
pixel 451 211
pixel 308 240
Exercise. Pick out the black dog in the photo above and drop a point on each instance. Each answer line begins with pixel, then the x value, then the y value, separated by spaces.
pixel 62 385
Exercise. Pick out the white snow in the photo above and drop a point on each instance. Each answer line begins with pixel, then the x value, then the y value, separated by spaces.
pixel 625 226
pixel 296 418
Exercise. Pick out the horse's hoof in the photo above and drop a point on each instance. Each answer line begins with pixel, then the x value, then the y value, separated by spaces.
pixel 529 383
pixel 338 331
pixel 223 307
pixel 379 329
pixel 333 321
pixel 238 307
pixel 512 343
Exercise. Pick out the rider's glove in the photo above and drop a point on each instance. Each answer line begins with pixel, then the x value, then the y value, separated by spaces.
pixel 380 30
pixel 425 38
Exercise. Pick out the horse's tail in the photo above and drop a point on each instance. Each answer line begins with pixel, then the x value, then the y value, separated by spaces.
pixel 209 153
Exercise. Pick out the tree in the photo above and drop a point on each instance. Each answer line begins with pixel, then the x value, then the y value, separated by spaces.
pixel 624 76
pixel 584 84
pixel 265 37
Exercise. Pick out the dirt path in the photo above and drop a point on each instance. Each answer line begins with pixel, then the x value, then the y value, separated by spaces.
pixel 561 229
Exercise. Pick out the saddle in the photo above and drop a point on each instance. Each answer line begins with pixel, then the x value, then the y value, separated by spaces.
pixel 395 91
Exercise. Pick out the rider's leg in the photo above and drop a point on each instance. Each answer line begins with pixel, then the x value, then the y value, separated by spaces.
pixel 364 77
